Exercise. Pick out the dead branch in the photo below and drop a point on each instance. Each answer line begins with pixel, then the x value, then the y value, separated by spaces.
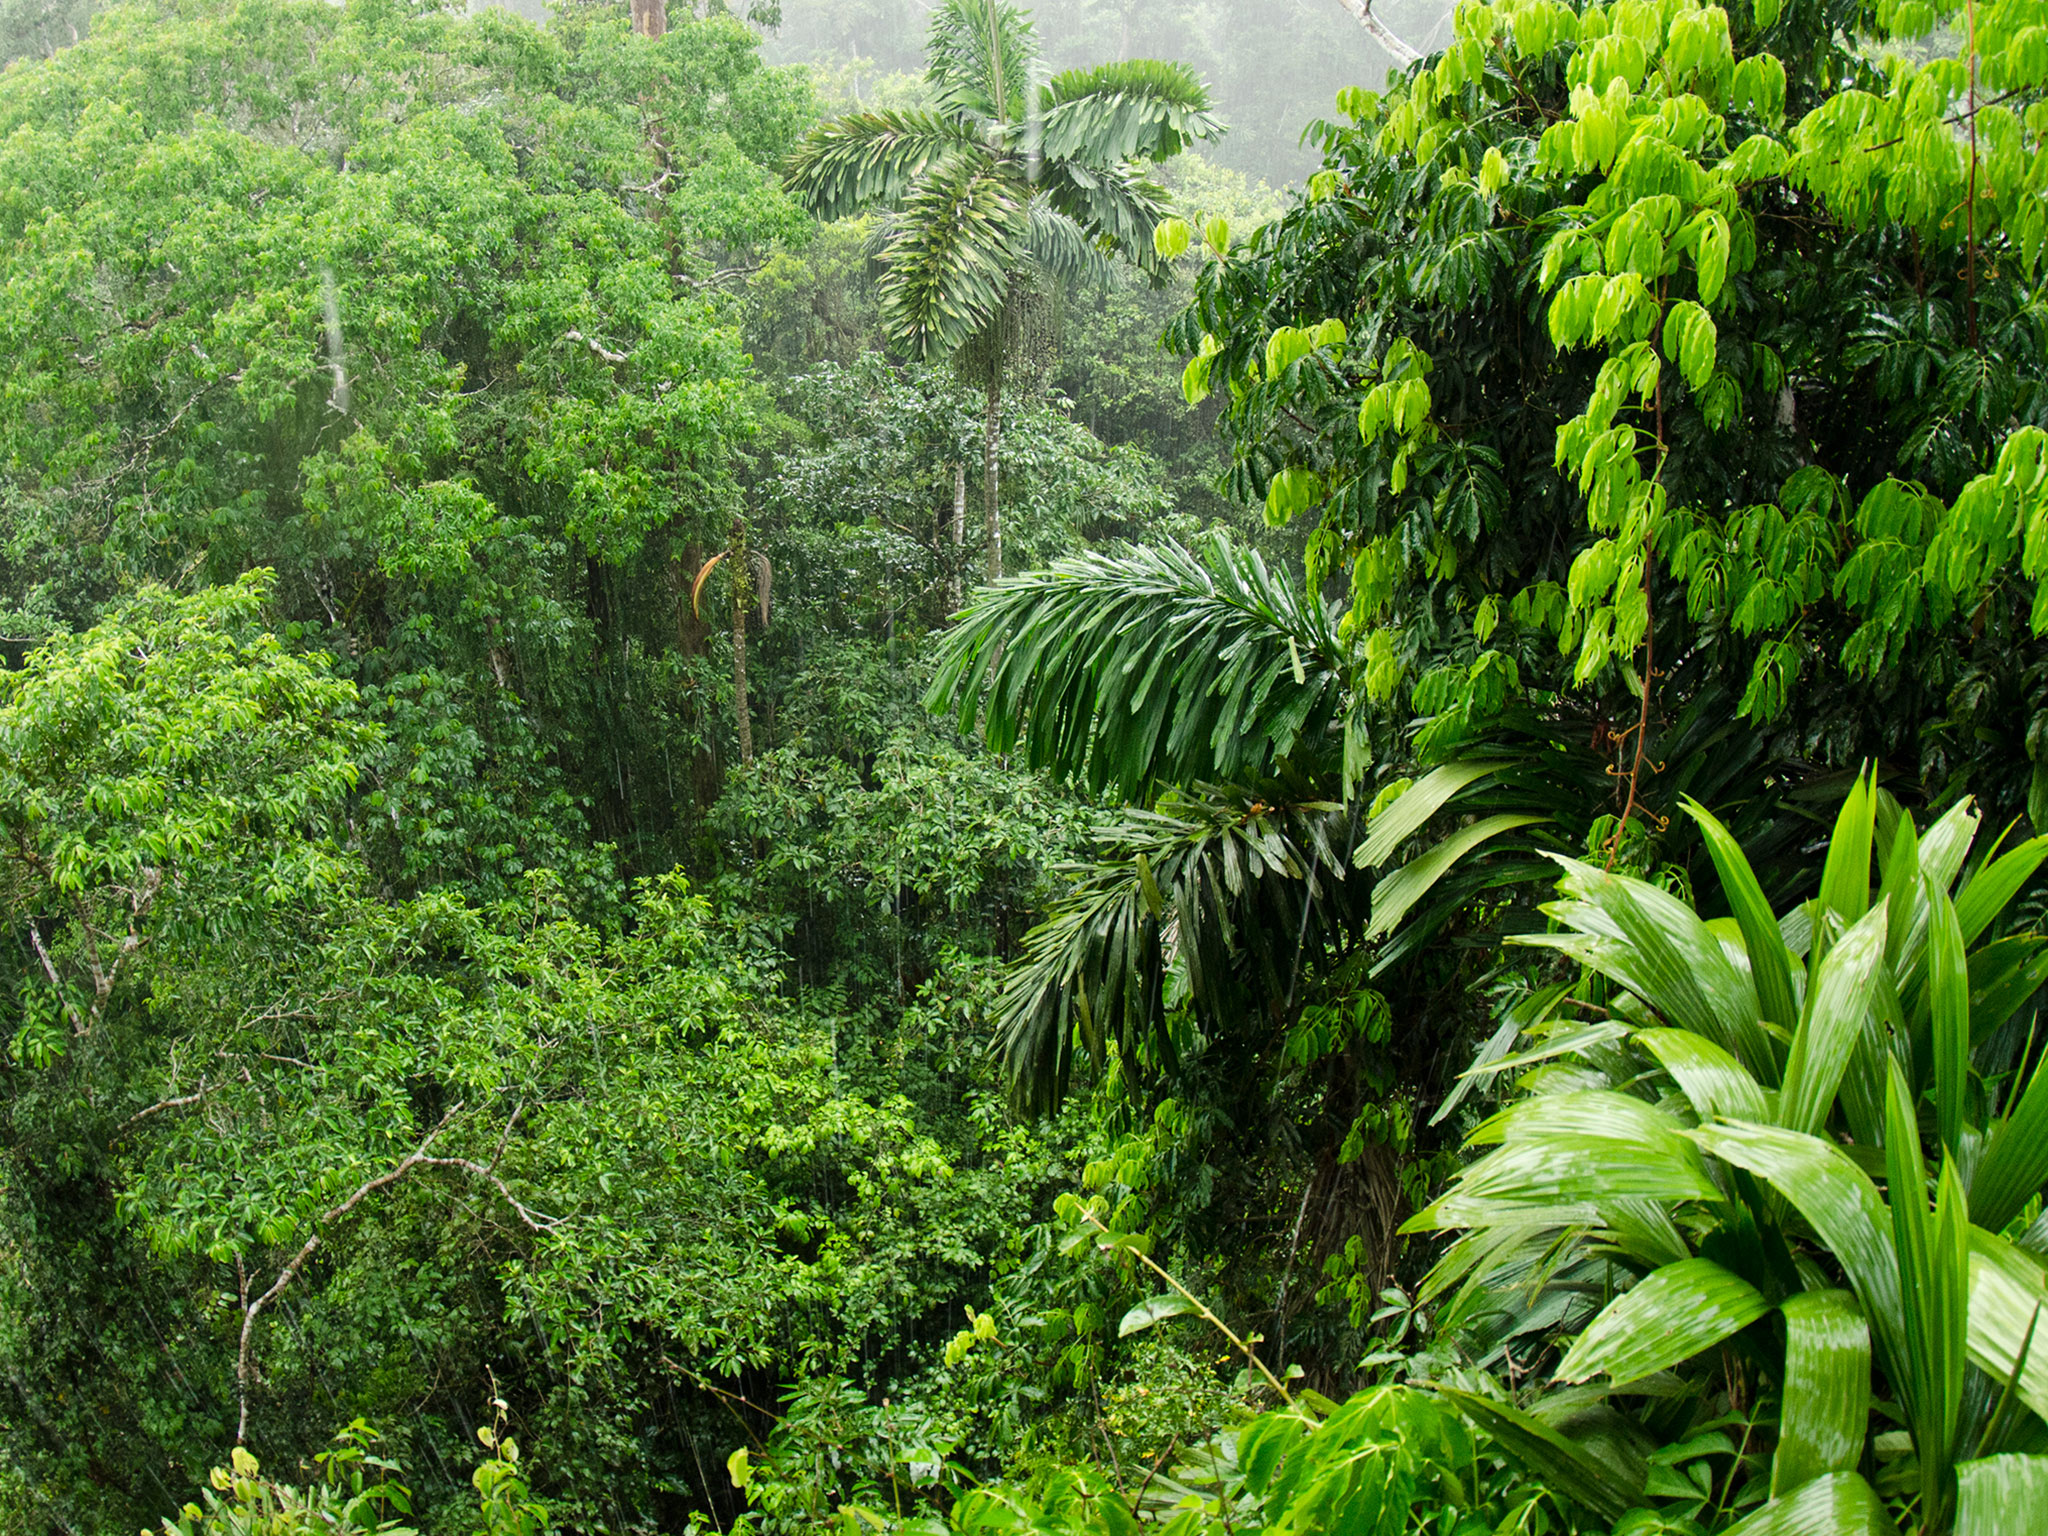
pixel 244 1360
pixel 177 1103
pixel 1404 53
pixel 597 349
pixel 35 937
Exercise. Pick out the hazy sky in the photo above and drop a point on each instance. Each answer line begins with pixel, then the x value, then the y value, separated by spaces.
pixel 1272 65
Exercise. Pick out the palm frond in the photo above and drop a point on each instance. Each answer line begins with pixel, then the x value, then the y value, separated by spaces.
pixel 1064 250
pixel 949 256
pixel 1118 201
pixel 1136 109
pixel 979 56
pixel 1211 902
pixel 1149 665
pixel 870 159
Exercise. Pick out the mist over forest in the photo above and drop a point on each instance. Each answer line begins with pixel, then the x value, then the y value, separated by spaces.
pixel 1272 65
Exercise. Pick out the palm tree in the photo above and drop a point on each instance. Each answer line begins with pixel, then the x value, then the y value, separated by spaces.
pixel 1271 831
pixel 1009 184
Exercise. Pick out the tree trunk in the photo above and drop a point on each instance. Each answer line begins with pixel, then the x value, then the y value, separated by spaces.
pixel 955 576
pixel 991 427
pixel 650 17
pixel 742 599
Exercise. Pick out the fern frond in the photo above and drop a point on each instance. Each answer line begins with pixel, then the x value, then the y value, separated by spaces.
pixel 1149 666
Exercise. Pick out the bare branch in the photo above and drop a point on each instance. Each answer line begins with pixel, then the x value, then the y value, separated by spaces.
pixel 537 1220
pixel 244 1364
pixel 721 275
pixel 35 937
pixel 1403 51
pixel 420 1157
pixel 178 1103
pixel 597 349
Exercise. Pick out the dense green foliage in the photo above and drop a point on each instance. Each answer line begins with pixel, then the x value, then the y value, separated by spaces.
pixel 1431 965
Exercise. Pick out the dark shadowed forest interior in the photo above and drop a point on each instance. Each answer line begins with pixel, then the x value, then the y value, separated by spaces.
pixel 948 768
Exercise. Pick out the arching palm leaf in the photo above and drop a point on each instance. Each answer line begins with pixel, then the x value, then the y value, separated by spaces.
pixel 1120 202
pixel 949 255
pixel 979 55
pixel 870 159
pixel 1137 109
pixel 1064 249
pixel 1154 665
pixel 1213 901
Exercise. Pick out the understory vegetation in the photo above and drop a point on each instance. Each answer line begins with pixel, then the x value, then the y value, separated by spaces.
pixel 781 796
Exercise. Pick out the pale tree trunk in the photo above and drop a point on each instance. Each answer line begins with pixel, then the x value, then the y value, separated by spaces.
pixel 955 578
pixel 991 427
pixel 1382 34
pixel 650 17
pixel 742 599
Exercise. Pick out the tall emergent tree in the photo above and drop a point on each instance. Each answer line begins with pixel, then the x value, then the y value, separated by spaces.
pixel 1009 185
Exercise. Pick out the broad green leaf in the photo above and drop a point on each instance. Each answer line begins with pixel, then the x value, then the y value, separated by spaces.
pixel 2015 1164
pixel 1413 807
pixel 2003 976
pixel 2002 1496
pixel 1524 1015
pixel 1564 1167
pixel 1597 1112
pixel 1948 995
pixel 1155 1309
pixel 1995 885
pixel 1398 892
pixel 1824 1416
pixel 1945 845
pixel 1832 1024
pixel 1548 1454
pixel 1839 1504
pixel 1845 878
pixel 1668 1317
pixel 1770 962
pixel 1667 957
pixel 1837 1200
pixel 1715 1083
pixel 1565 1042
pixel 2007 1295
pixel 1927 1371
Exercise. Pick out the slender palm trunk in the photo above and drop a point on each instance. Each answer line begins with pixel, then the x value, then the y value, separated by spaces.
pixel 991 428
pixel 742 599
pixel 956 578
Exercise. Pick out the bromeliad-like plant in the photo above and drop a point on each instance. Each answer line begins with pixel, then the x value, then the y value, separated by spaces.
pixel 1800 1156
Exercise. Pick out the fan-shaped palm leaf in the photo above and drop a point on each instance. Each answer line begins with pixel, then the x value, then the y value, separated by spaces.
pixel 1152 665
